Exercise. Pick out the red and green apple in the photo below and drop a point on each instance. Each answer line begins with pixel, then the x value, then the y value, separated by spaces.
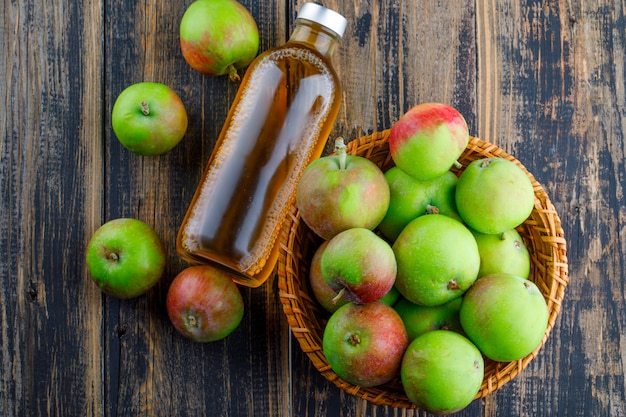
pixel 364 344
pixel 218 37
pixel 428 139
pixel 359 265
pixel 339 192
pixel 204 303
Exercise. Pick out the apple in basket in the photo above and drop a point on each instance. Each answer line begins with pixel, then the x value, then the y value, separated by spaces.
pixel 494 195
pixel 359 265
pixel 504 252
pixel 442 371
pixel 339 192
pixel 505 316
pixel 364 344
pixel 420 319
pixel 428 139
pixel 437 258
pixel 323 293
pixel 411 198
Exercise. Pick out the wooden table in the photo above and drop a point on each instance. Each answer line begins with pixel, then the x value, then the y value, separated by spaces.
pixel 543 80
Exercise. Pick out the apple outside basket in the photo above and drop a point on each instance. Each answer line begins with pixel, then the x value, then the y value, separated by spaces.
pixel 542 233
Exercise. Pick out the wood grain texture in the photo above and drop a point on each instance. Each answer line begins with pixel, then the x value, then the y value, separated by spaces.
pixel 50 159
pixel 543 80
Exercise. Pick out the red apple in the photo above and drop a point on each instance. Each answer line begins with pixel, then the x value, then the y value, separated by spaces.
pixel 125 258
pixel 428 139
pixel 364 344
pixel 149 118
pixel 340 192
pixel 218 37
pixel 359 266
pixel 204 304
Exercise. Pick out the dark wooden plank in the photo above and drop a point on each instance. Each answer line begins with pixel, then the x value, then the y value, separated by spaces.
pixel 50 174
pixel 149 368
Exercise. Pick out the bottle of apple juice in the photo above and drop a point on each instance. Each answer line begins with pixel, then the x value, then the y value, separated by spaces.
pixel 280 120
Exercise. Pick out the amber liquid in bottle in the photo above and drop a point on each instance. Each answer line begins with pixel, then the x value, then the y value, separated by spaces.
pixel 279 122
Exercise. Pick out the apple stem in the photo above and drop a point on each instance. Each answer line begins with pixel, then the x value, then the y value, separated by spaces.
pixel 502 236
pixel 453 285
pixel 145 109
pixel 431 209
pixel 232 74
pixel 458 165
pixel 340 149
pixel 338 296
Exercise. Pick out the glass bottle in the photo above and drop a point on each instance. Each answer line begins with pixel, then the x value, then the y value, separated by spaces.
pixel 279 121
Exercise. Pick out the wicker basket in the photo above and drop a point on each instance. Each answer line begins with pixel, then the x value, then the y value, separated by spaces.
pixel 542 233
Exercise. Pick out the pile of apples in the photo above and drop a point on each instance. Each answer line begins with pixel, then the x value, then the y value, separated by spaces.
pixel 423 272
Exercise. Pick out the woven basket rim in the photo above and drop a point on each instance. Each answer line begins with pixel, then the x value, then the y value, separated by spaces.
pixel 549 270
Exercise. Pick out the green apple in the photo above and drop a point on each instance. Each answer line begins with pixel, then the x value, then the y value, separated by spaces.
pixel 339 192
pixel 149 118
pixel 428 139
pixel 505 252
pixel 420 319
pixel 505 316
pixel 392 296
pixel 218 37
pixel 411 198
pixel 364 344
pixel 437 259
pixel 125 257
pixel 494 195
pixel 204 304
pixel 359 265
pixel 442 372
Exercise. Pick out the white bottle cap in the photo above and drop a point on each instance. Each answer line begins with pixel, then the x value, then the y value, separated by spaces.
pixel 325 17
